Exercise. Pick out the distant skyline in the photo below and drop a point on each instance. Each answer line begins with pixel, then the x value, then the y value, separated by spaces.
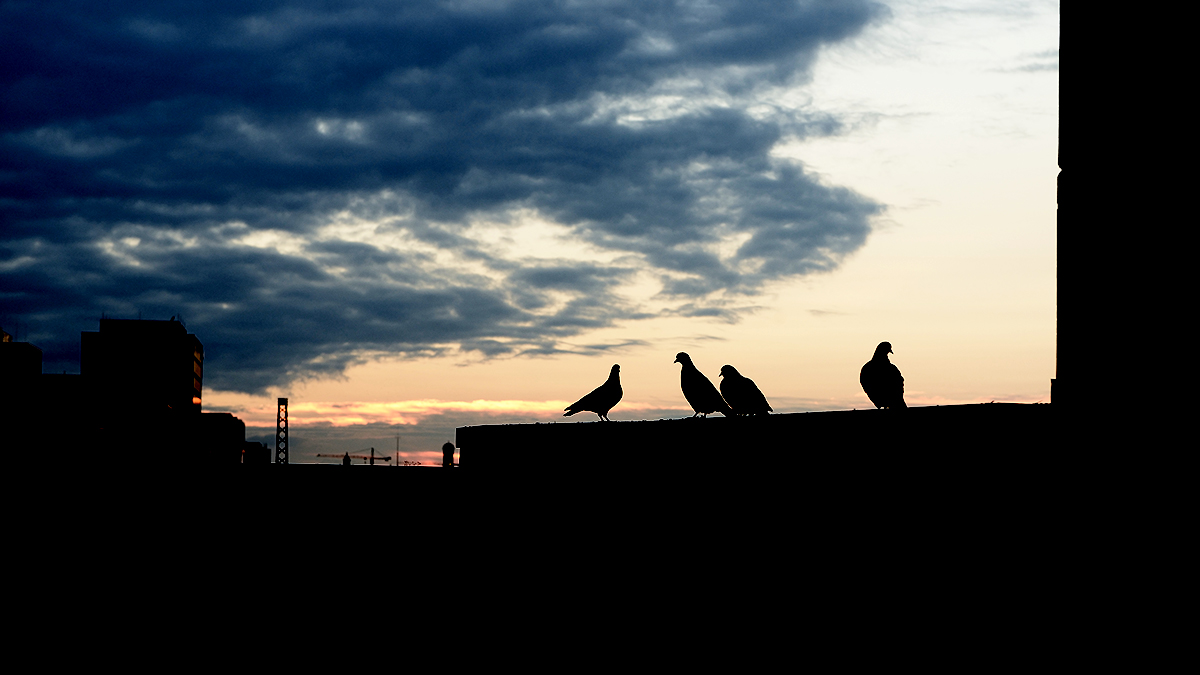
pixel 411 216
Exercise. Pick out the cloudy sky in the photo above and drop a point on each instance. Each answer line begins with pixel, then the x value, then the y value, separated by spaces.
pixel 410 216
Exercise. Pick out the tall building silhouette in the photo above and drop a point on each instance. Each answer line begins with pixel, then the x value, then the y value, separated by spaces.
pixel 136 400
pixel 144 366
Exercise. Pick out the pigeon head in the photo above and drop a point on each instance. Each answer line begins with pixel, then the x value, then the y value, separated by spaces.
pixel 615 369
pixel 682 357
pixel 728 370
pixel 883 350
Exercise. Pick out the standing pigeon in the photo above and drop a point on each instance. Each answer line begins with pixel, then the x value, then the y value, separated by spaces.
pixel 602 399
pixel 742 394
pixel 698 390
pixel 881 379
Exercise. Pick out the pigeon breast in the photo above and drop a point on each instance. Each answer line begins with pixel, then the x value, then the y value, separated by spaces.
pixel 881 379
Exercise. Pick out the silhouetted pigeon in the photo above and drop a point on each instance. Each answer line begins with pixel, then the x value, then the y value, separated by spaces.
pixel 698 390
pixel 881 379
pixel 602 399
pixel 742 394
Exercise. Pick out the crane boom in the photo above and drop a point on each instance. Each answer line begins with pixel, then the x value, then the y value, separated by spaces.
pixel 372 456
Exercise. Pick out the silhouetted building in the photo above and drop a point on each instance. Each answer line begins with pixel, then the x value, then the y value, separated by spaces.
pixel 138 380
pixel 34 406
pixel 220 438
pixel 20 393
pixel 144 366
pixel 20 363
pixel 254 452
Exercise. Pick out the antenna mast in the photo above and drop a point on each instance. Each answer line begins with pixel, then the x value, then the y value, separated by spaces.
pixel 281 433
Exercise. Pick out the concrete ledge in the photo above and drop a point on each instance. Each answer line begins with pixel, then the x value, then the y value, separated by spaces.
pixel 765 441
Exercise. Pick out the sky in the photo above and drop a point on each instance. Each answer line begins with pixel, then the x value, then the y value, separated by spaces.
pixel 412 216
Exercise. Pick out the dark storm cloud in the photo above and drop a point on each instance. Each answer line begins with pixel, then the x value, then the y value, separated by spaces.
pixel 140 144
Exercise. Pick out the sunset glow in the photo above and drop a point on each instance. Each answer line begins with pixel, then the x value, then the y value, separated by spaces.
pixel 407 218
pixel 348 413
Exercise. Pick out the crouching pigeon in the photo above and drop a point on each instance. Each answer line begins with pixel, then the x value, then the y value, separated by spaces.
pixel 742 394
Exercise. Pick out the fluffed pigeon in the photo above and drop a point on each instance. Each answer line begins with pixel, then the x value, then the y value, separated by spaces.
pixel 742 394
pixel 698 390
pixel 602 399
pixel 881 379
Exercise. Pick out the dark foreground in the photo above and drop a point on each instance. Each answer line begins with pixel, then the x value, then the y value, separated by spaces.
pixel 1004 470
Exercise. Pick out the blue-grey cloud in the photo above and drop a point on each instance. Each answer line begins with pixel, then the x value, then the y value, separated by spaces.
pixel 1046 61
pixel 144 147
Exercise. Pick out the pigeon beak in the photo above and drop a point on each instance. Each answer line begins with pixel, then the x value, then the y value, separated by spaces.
pixel 675 361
